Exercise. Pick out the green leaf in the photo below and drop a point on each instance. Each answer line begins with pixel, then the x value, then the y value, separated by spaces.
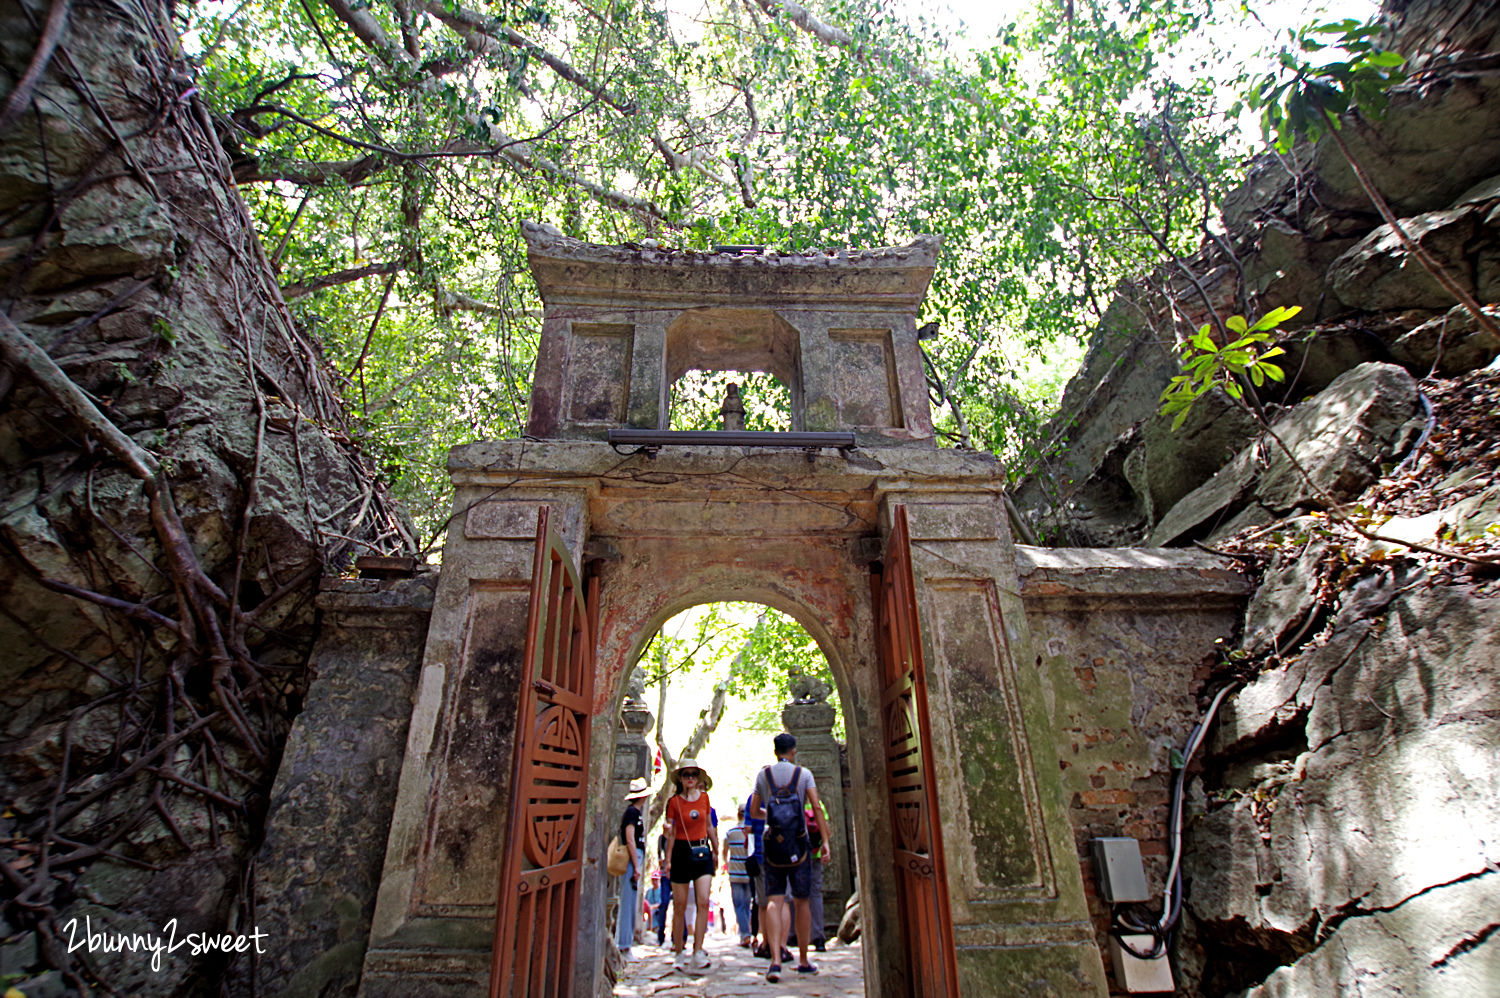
pixel 1275 317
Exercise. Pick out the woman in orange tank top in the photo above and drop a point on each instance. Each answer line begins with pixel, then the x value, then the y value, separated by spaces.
pixel 692 844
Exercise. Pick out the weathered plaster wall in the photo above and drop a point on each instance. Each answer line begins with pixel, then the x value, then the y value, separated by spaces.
pixel 1124 639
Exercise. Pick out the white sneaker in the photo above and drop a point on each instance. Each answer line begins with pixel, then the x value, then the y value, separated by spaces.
pixel 627 954
pixel 679 961
pixel 700 960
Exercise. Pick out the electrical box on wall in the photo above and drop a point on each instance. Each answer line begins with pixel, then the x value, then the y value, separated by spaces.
pixel 1139 976
pixel 1117 863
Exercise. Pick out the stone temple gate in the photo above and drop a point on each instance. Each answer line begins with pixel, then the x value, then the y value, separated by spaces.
pixel 895 555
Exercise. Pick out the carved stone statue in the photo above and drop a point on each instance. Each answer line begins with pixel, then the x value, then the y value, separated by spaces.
pixel 808 689
pixel 733 409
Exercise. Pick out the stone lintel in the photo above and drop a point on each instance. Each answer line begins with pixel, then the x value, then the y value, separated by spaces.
pixel 1099 578
pixel 569 271
pixel 358 598
pixel 715 491
pixel 503 462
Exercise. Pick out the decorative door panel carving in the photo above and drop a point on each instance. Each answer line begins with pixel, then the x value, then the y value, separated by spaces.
pixel 536 918
pixel 921 879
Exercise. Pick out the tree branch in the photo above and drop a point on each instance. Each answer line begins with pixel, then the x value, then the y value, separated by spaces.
pixel 483 35
pixel 20 352
pixel 57 20
pixel 301 289
pixel 452 299
pixel 368 30
pixel 837 37
pixel 517 152
pixel 352 172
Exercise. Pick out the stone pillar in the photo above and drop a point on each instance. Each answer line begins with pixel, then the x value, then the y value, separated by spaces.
pixel 632 750
pixel 432 933
pixel 632 759
pixel 1014 884
pixel 809 717
pixel 319 867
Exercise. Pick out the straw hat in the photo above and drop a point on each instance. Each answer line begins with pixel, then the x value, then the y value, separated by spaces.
pixel 639 787
pixel 707 781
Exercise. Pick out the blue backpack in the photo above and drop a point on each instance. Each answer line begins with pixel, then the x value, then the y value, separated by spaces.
pixel 786 841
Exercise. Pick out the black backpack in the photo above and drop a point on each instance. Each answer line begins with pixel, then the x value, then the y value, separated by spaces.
pixel 785 841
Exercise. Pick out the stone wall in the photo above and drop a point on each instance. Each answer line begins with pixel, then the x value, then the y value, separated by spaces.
pixel 1125 639
pixel 319 865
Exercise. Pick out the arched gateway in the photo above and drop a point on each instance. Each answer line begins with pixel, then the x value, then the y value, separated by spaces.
pixel 891 552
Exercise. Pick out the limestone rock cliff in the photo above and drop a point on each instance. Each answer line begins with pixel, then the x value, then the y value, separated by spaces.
pixel 1344 836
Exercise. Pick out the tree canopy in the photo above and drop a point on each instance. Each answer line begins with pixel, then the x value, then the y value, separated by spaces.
pixel 389 150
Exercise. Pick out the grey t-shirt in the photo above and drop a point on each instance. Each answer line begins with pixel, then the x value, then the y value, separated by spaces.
pixel 781 774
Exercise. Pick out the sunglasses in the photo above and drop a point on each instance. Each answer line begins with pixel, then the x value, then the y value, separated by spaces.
pixel 689 772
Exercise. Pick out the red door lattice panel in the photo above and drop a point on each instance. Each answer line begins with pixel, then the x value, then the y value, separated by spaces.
pixel 921 880
pixel 536 919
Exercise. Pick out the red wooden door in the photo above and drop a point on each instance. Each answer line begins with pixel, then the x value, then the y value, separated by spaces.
pixel 921 880
pixel 536 919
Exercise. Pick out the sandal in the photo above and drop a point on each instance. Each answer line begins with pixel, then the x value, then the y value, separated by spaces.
pixel 806 968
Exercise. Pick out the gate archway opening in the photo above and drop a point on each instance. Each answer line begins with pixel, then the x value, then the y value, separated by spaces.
pixel 722 680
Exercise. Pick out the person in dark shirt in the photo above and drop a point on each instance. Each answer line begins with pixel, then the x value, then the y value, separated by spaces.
pixel 633 834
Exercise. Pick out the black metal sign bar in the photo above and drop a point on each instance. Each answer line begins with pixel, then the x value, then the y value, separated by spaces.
pixel 840 440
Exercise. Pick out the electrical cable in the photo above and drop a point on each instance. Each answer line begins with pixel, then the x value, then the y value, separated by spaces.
pixel 1172 890
pixel 1427 428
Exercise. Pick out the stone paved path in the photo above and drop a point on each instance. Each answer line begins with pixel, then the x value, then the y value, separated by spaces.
pixel 735 974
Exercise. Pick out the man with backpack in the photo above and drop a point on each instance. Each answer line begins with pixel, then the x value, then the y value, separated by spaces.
pixel 782 791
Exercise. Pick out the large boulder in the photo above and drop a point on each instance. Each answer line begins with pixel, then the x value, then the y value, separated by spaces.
pixel 152 648
pixel 1167 464
pixel 1378 274
pixel 1339 441
pixel 1439 136
pixel 1452 343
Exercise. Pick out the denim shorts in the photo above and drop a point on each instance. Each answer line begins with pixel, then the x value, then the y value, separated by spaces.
pixel 779 878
